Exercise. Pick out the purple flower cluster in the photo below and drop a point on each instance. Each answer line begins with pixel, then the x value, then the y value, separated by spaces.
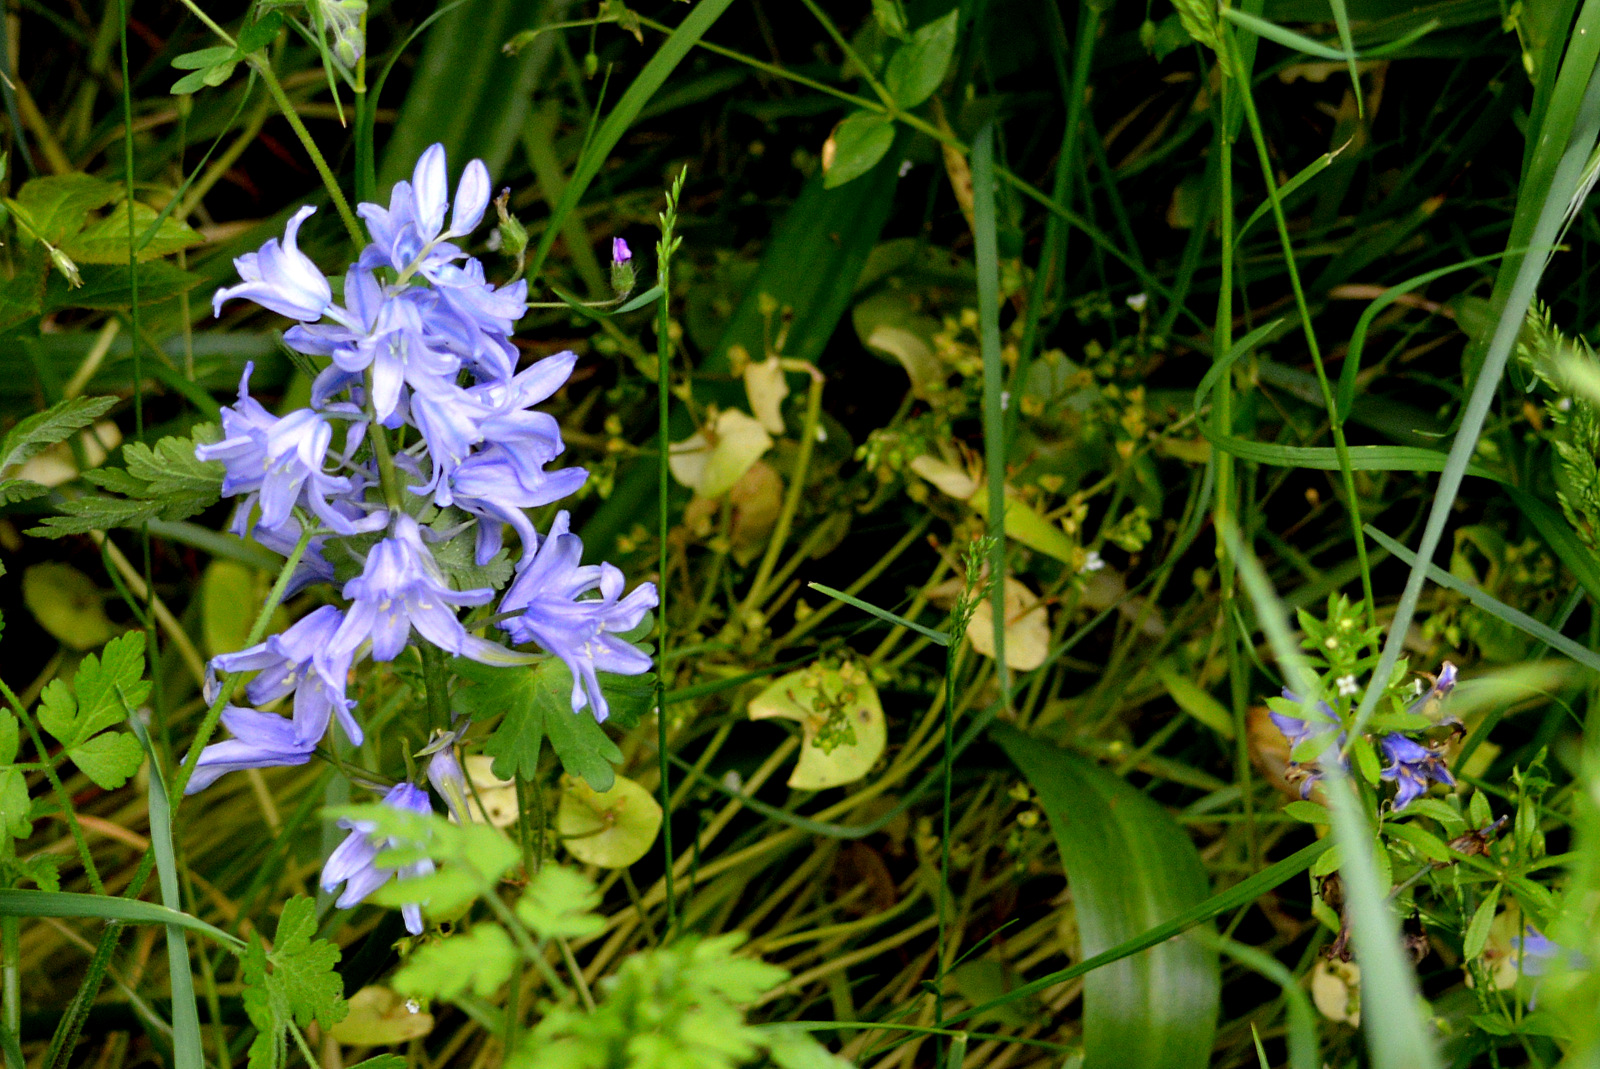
pixel 420 413
pixel 1414 764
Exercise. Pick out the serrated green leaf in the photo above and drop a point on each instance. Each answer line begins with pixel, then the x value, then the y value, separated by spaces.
pixel 1477 935
pixel 55 424
pixel 57 206
pixel 560 903
pixel 85 514
pixel 918 67
pixel 108 759
pixel 106 241
pixel 102 692
pixel 303 966
pixel 480 961
pixel 443 894
pixel 457 558
pixel 536 702
pixel 859 142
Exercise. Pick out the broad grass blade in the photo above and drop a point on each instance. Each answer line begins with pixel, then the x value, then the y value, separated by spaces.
pixel 1131 868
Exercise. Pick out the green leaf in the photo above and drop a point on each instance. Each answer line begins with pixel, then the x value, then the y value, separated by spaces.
pixel 859 142
pixel 918 67
pixel 303 966
pixel 1423 841
pixel 259 34
pixel 1477 935
pixel 18 903
pixel 106 242
pixel 1130 868
pixel 14 803
pixel 44 429
pixel 560 903
pixel 168 482
pixel 102 692
pixel 67 604
pixel 1195 701
pixel 480 961
pixel 537 703
pixel 611 828
pixel 106 287
pixel 193 82
pixel 295 981
pixel 57 206
pixel 1309 812
pixel 1496 608
pixel 204 58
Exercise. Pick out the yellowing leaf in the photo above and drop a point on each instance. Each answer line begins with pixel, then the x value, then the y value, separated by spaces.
pixel 379 1017
pixel 611 829
pixel 766 387
pixel 757 498
pixel 1336 990
pixel 956 482
pixel 499 796
pixel 1027 628
pixel 841 717
pixel 715 457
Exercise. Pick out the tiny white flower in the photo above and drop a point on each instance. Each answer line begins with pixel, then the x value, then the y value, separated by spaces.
pixel 1091 563
pixel 1138 301
pixel 905 168
pixel 1416 687
pixel 413 1006
pixel 1347 686
pixel 732 780
pixel 1005 400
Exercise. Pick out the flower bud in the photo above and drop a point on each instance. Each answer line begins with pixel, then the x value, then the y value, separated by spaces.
pixel 513 235
pixel 444 772
pixel 622 276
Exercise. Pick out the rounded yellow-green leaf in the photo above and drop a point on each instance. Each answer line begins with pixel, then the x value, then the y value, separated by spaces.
pixel 612 828
pixel 379 1017
pixel 67 604
pixel 841 719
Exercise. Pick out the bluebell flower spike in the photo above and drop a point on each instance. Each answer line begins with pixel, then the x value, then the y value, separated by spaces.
pixel 548 596
pixel 280 277
pixel 353 862
pixel 260 740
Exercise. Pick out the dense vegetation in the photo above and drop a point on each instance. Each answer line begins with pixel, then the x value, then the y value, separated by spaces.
pixel 1107 497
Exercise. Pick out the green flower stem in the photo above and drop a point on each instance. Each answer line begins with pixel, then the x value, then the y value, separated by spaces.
pixel 62 798
pixel 435 685
pixel 260 65
pixel 664 249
